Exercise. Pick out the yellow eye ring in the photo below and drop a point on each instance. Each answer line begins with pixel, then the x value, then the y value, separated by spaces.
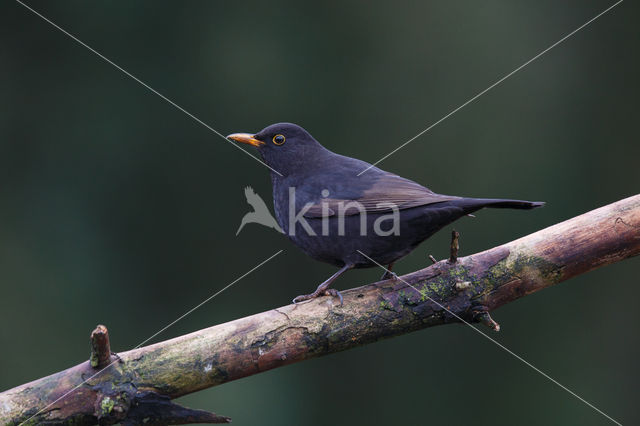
pixel 278 139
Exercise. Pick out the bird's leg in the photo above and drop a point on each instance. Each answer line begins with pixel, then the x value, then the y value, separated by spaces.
pixel 323 289
pixel 388 274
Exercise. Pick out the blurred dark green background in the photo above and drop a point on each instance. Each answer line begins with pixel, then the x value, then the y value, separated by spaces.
pixel 117 208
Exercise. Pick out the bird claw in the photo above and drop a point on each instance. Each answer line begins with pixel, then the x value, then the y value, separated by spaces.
pixel 302 298
pixel 328 292
pixel 323 289
pixel 335 293
pixel 389 275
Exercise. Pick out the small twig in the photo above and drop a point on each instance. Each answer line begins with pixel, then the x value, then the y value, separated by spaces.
pixel 433 259
pixel 455 246
pixel 100 348
pixel 484 318
pixel 121 402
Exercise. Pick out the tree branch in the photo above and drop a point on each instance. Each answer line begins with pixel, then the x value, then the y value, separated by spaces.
pixel 137 385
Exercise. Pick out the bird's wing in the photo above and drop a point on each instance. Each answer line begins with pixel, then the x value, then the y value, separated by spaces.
pixel 386 193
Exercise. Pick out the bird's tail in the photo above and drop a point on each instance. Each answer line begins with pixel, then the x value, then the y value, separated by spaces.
pixel 497 203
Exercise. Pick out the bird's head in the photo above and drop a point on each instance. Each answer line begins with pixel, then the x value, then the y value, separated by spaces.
pixel 286 147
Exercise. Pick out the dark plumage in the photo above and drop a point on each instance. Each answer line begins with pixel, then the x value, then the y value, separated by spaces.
pixel 325 183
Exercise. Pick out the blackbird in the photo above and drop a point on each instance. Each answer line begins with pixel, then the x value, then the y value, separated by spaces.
pixel 335 213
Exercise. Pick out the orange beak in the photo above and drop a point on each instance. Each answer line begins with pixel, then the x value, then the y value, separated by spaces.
pixel 245 138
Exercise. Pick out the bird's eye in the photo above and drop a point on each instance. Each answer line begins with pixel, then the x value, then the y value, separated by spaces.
pixel 278 139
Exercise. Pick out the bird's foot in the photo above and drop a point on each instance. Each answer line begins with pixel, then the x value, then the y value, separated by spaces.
pixel 335 293
pixel 388 275
pixel 303 297
pixel 323 289
pixel 324 292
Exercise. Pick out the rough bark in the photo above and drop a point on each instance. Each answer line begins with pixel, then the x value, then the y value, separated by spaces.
pixel 100 347
pixel 139 385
